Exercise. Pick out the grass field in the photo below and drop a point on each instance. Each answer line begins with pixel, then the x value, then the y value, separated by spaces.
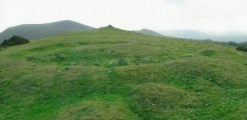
pixel 78 76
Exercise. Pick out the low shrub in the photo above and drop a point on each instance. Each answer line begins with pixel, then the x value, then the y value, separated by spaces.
pixel 242 48
pixel 208 52
pixel 15 40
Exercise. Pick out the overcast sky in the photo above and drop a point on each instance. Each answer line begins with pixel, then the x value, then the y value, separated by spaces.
pixel 204 15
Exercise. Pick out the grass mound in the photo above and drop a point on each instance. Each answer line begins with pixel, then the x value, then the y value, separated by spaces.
pixel 93 110
pixel 217 72
pixel 157 101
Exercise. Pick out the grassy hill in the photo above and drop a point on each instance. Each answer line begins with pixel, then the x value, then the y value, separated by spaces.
pixel 37 31
pixel 80 76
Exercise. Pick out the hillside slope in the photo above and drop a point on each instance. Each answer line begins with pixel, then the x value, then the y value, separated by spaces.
pixel 109 73
pixel 37 31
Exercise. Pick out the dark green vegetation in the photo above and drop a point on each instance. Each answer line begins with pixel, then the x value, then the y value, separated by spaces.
pixel 239 46
pixel 15 40
pixel 37 31
pixel 81 76
pixel 242 48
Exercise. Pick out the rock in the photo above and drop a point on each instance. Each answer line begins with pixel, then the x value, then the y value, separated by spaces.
pixel 110 26
pixel 111 63
pixel 108 51
pixel 60 56
pixel 122 62
pixel 147 59
pixel 84 63
pixel 31 58
pixel 73 63
pixel 108 71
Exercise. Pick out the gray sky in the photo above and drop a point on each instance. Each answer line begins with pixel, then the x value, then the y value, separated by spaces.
pixel 204 15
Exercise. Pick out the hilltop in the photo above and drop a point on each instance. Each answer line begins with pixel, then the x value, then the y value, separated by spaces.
pixel 37 31
pixel 81 75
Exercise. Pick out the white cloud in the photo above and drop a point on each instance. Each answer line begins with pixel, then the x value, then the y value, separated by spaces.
pixel 212 15
pixel 206 15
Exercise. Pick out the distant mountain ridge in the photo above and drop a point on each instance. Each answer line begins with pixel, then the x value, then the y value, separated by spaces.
pixel 149 32
pixel 36 31
pixel 198 35
pixel 183 33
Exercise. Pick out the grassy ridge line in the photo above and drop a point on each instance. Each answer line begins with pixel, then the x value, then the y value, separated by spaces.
pixel 67 76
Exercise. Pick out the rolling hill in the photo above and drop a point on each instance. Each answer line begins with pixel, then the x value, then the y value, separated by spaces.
pixel 109 73
pixel 37 31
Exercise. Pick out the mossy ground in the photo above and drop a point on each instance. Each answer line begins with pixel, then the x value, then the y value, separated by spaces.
pixel 71 76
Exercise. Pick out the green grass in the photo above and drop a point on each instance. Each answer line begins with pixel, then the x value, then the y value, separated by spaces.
pixel 76 76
